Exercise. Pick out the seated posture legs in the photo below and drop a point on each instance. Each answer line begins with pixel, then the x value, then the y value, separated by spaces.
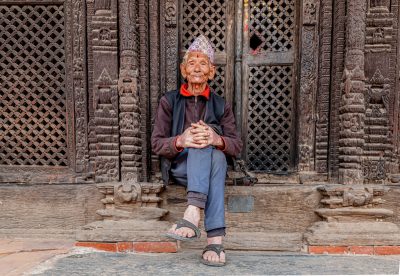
pixel 203 172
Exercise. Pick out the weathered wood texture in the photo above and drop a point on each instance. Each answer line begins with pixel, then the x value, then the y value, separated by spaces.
pixel 286 209
pixel 62 207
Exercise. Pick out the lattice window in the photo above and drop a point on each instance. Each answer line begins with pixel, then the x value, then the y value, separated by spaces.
pixel 32 97
pixel 269 119
pixel 272 25
pixel 218 83
pixel 207 18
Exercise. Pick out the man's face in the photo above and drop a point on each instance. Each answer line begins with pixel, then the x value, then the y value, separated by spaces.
pixel 197 69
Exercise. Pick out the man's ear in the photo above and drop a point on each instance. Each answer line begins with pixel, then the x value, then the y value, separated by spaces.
pixel 183 70
pixel 211 75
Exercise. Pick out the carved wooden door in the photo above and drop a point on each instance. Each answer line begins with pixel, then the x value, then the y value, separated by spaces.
pixel 37 143
pixel 268 81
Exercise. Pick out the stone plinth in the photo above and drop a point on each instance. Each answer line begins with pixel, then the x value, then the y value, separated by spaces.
pixel 352 217
pixel 130 214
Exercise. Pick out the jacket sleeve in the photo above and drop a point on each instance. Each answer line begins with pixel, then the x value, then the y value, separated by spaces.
pixel 161 141
pixel 233 143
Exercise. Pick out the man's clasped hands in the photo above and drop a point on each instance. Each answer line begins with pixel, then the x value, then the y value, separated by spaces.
pixel 199 135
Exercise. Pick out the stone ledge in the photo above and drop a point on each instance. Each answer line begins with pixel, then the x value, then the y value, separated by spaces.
pixel 144 247
pixel 356 250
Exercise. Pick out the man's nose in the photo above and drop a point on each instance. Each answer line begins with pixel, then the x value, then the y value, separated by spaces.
pixel 197 67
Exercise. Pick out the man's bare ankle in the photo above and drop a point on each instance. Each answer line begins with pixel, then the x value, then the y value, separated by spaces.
pixel 192 207
pixel 215 240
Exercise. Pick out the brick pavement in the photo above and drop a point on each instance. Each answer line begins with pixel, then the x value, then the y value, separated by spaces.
pixel 57 257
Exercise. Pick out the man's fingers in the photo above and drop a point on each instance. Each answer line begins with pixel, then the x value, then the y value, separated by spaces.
pixel 196 125
pixel 197 145
pixel 200 134
pixel 197 130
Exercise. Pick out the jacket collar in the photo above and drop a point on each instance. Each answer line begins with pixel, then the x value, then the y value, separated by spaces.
pixel 184 92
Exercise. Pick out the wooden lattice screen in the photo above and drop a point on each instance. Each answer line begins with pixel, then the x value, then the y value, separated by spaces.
pixel 32 92
pixel 270 128
pixel 270 124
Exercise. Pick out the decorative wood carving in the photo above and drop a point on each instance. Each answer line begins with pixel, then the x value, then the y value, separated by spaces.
pixel 129 102
pixel 144 84
pixel 338 50
pixel 380 158
pixel 308 85
pixel 155 93
pixel 80 87
pixel 104 125
pixel 169 45
pixel 324 88
pixel 352 107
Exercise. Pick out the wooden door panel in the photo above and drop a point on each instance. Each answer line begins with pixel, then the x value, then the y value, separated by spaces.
pixel 268 88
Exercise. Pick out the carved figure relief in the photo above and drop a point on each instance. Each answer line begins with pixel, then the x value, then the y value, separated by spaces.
pixel 310 11
pixel 170 14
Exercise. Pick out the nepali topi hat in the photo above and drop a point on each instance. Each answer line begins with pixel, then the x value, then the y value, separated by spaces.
pixel 203 45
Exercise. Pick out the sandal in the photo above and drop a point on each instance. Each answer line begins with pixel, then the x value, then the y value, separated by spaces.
pixel 184 223
pixel 217 248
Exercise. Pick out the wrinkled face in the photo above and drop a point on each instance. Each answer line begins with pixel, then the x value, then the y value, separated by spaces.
pixel 197 68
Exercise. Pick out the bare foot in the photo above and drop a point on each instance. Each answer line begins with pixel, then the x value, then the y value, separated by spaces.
pixel 211 256
pixel 191 214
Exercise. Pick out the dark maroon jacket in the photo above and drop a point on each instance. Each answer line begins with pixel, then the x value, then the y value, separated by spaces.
pixel 163 144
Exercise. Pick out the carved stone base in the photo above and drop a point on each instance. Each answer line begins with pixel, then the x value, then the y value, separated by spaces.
pixel 124 230
pixel 353 233
pixel 130 213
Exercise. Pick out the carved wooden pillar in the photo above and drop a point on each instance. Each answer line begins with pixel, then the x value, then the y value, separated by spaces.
pixel 308 85
pixel 144 66
pixel 130 138
pixel 324 87
pixel 154 78
pixel 103 71
pixel 80 87
pixel 352 107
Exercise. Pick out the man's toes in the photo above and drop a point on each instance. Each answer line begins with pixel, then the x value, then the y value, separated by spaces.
pixel 187 232
pixel 222 258
pixel 180 232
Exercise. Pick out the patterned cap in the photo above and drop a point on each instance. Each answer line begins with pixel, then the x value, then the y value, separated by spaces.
pixel 201 44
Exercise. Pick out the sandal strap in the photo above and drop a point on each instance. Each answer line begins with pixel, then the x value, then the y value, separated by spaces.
pixel 185 223
pixel 217 248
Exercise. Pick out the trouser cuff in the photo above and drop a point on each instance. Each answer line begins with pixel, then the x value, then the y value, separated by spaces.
pixel 216 232
pixel 197 199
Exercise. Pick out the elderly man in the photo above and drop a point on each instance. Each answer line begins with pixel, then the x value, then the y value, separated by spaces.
pixel 194 131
